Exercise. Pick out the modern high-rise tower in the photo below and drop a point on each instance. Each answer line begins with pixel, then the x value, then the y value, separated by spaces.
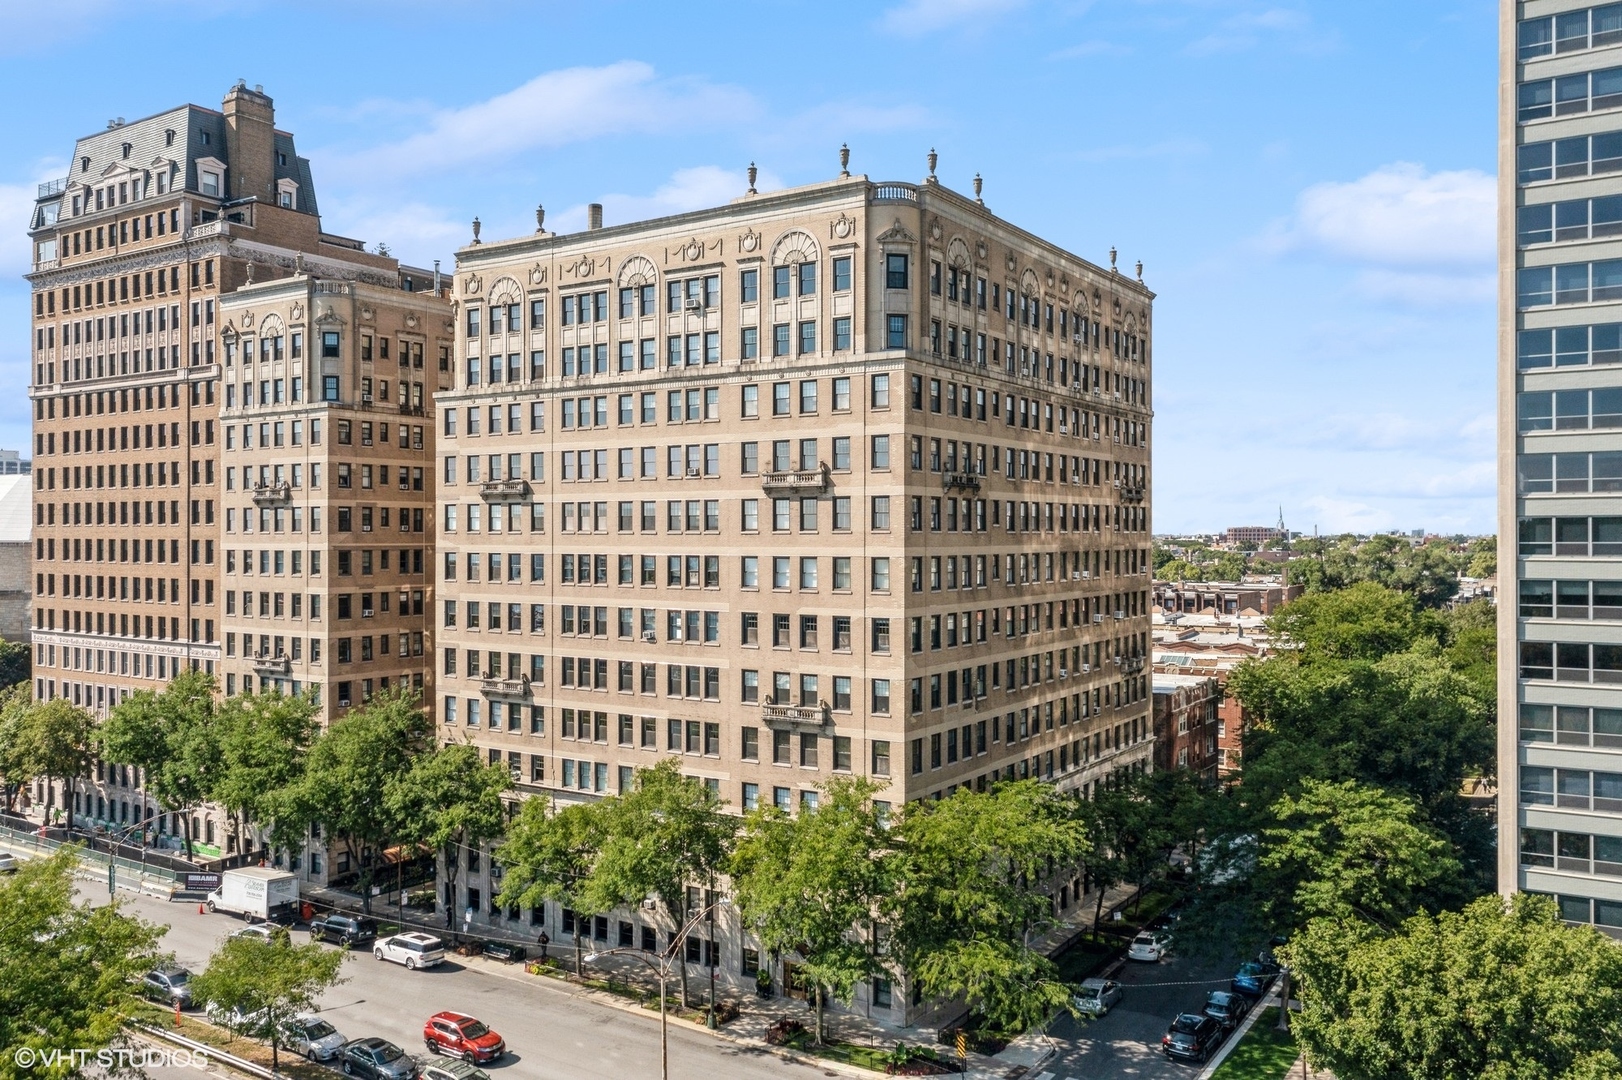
pixel 1560 468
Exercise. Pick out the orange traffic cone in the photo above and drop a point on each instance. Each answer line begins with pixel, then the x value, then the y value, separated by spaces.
pixel 200 909
pixel 177 1013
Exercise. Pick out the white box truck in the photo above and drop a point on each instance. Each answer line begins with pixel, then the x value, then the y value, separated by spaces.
pixel 256 892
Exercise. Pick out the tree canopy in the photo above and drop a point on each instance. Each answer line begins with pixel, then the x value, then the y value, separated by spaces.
pixel 172 736
pixel 812 884
pixel 66 968
pixel 1501 990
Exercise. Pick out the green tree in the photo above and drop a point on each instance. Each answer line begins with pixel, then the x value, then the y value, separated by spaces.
pixel 264 742
pixel 450 800
pixel 172 736
pixel 1346 852
pixel 271 981
pixel 348 770
pixel 968 871
pixel 1501 990
pixel 56 742
pixel 16 768
pixel 1228 566
pixel 16 663
pixel 1178 570
pixel 1481 557
pixel 65 968
pixel 667 832
pixel 1470 645
pixel 548 854
pixel 811 884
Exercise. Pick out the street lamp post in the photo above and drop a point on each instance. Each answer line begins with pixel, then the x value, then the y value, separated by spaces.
pixel 660 964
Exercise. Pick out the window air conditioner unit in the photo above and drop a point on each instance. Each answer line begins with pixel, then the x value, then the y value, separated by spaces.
pixel 343 703
pixel 1120 614
pixel 366 399
pixel 1085 668
pixel 650 636
pixel 694 304
pixel 693 474
pixel 1099 617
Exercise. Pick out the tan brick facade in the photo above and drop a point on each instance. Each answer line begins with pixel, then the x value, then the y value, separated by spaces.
pixel 846 478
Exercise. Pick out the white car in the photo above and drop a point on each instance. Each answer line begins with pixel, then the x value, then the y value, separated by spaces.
pixel 313 1037
pixel 262 931
pixel 236 1021
pixel 8 863
pixel 411 949
pixel 1148 946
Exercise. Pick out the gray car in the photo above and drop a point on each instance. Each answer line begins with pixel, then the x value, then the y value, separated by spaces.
pixel 313 1037
pixel 170 985
pixel 376 1059
pixel 1095 997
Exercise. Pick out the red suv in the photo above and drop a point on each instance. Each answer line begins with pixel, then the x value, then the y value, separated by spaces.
pixel 459 1035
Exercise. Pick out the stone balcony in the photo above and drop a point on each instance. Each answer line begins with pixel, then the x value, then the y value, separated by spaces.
pixel 808 718
pixel 269 666
pixel 961 481
pixel 272 494
pixel 504 490
pixel 798 482
pixel 1132 493
pixel 496 686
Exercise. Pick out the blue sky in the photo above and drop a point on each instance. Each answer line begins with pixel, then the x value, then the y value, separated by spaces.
pixel 1309 185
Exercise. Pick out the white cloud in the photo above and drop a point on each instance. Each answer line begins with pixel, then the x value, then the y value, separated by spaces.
pixel 415 232
pixel 915 17
pixel 555 109
pixel 1397 215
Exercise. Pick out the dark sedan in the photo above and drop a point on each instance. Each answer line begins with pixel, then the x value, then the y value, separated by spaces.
pixel 1254 977
pixel 376 1059
pixel 1192 1037
pixel 1226 1008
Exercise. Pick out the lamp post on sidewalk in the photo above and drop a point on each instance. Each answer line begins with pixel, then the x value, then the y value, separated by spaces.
pixel 660 964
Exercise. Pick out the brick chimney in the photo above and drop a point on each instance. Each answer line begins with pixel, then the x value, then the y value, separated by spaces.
pixel 250 144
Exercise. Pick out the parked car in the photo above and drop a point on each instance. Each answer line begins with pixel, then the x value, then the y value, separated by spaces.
pixel 411 949
pixel 1254 977
pixel 343 930
pixel 376 1059
pixel 1148 946
pixel 1226 1008
pixel 8 863
pixel 451 1070
pixel 1096 997
pixel 237 1020
pixel 265 932
pixel 1192 1037
pixel 313 1037
pixel 170 985
pixel 459 1035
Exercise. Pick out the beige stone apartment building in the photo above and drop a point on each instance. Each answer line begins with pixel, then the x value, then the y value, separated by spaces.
pixel 157 221
pixel 850 478
pixel 327 449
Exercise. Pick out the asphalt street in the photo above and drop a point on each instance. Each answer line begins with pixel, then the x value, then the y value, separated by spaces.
pixel 552 1033
pixel 1126 1042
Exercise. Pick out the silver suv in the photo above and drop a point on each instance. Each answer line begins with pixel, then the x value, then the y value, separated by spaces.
pixel 171 985
pixel 411 949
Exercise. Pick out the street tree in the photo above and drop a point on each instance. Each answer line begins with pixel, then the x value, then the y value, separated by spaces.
pixel 1351 852
pixel 968 875
pixel 812 884
pixel 1501 990
pixel 663 835
pixel 56 741
pixel 171 735
pixel 16 664
pixel 16 767
pixel 264 741
pixel 271 981
pixel 348 770
pixel 451 800
pixel 548 854
pixel 66 968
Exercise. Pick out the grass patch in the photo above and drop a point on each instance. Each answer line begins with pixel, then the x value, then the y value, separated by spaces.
pixel 1265 1054
pixel 866 1057
pixel 1084 957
